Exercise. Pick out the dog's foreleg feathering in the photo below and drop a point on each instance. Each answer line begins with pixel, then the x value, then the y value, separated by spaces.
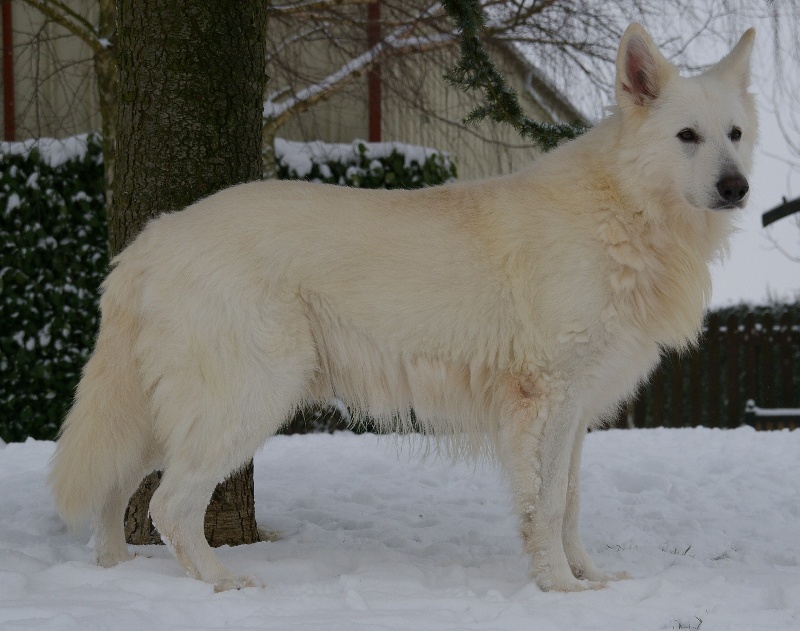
pixel 539 429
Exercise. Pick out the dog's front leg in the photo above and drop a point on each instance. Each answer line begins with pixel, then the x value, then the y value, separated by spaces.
pixel 579 561
pixel 538 432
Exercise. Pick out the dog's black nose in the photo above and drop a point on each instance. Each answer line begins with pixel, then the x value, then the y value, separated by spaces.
pixel 732 188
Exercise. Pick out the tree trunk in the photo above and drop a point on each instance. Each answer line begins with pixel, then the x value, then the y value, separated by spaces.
pixel 269 161
pixel 230 517
pixel 105 68
pixel 191 81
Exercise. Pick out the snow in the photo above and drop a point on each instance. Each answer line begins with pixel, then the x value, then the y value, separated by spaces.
pixel 374 537
pixel 300 157
pixel 54 151
pixel 752 407
pixel 13 202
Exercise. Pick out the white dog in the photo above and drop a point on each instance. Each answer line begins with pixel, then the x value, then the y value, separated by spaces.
pixel 514 312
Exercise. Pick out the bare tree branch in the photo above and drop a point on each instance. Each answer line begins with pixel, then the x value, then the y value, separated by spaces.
pixel 280 107
pixel 75 23
pixel 795 258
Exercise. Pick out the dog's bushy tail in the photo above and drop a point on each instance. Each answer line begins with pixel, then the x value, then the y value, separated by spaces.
pixel 104 438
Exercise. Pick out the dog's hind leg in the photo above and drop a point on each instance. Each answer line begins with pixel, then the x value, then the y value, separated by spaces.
pixel 110 527
pixel 232 380
pixel 220 437
pixel 537 434
pixel 178 509
pixel 206 437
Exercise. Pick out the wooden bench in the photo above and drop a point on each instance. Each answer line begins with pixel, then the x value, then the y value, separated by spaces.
pixel 771 418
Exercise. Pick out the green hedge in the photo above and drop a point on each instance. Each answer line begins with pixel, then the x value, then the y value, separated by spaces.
pixel 53 257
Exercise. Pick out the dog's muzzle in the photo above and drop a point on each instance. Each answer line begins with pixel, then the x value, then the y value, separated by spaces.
pixel 732 191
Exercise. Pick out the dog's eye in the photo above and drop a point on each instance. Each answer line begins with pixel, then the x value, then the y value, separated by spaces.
pixel 688 135
pixel 736 134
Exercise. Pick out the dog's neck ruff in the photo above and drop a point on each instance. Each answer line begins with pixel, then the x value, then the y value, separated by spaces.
pixel 659 264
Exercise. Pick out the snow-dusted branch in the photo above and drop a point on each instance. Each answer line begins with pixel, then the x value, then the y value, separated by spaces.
pixel 279 106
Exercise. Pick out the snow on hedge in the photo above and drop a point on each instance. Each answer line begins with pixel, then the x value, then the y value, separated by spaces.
pixel 300 157
pixel 53 151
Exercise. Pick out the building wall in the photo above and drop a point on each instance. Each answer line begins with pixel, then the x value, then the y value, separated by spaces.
pixel 53 76
pixel 294 66
pixel 479 150
pixel 56 94
pixel 420 107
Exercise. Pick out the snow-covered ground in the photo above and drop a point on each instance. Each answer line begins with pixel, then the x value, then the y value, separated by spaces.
pixel 707 522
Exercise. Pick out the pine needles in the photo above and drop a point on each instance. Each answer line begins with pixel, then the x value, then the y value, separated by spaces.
pixel 476 71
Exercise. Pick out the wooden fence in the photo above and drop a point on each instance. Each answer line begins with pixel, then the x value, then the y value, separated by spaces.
pixel 752 358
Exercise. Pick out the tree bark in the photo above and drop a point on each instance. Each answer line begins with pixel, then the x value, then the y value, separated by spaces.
pixel 105 68
pixel 191 81
pixel 230 517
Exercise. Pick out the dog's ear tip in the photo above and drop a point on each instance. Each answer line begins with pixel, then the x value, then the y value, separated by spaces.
pixel 736 63
pixel 747 39
pixel 635 26
pixel 635 30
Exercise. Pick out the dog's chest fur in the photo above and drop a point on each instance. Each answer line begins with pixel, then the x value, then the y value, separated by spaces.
pixel 658 286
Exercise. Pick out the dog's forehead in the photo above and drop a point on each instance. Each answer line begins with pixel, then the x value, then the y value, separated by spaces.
pixel 706 101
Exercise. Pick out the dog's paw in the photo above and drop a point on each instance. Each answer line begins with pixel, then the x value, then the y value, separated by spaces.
pixel 610 576
pixel 565 582
pixel 574 585
pixel 235 582
pixel 598 576
pixel 108 559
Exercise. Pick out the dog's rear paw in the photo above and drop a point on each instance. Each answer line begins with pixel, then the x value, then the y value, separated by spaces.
pixel 574 585
pixel 563 582
pixel 235 582
pixel 108 559
pixel 598 576
pixel 615 576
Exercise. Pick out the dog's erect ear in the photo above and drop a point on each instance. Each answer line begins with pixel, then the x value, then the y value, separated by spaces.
pixel 641 68
pixel 735 66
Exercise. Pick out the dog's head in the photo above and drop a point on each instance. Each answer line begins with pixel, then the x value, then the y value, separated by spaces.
pixel 695 135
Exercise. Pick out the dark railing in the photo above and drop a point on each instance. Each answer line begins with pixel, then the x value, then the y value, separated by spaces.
pixel 756 358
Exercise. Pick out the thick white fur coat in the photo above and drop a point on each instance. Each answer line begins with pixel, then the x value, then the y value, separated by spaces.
pixel 512 312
